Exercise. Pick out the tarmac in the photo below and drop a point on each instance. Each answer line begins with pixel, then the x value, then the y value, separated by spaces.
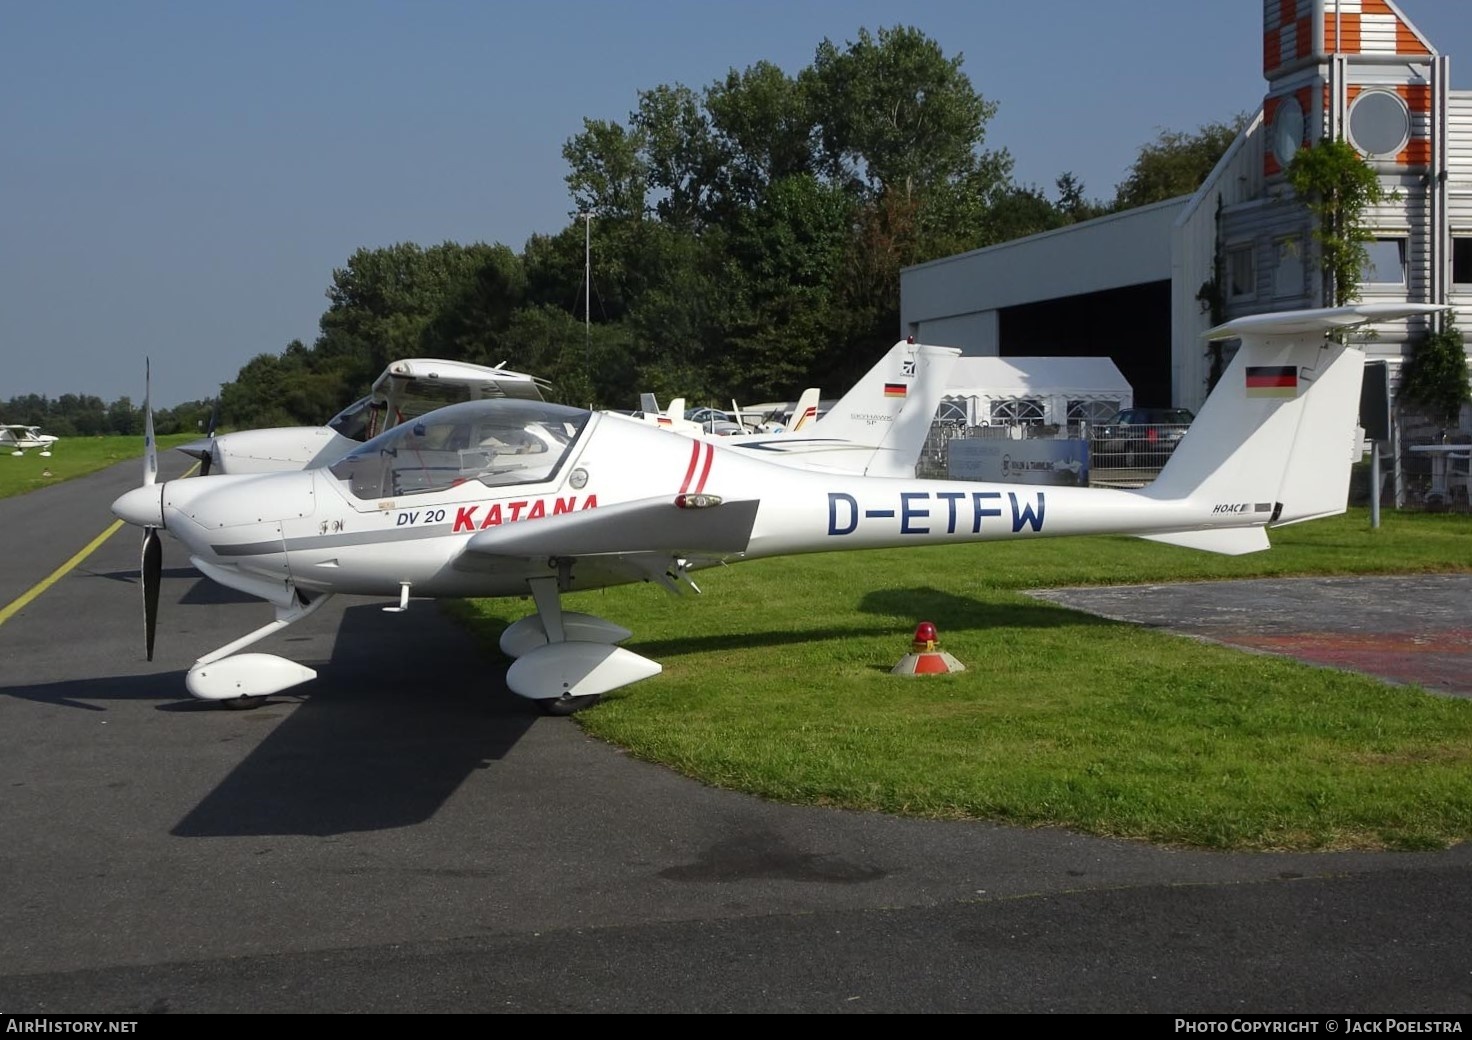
pixel 1413 629
pixel 403 834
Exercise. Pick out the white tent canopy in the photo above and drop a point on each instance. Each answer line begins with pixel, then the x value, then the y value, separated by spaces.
pixel 997 391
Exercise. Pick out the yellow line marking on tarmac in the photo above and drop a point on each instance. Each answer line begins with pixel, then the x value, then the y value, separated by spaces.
pixel 61 572
pixel 56 575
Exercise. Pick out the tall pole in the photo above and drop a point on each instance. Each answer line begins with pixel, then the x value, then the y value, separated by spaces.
pixel 587 294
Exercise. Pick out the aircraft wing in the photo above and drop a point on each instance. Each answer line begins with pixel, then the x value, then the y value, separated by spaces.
pixel 651 525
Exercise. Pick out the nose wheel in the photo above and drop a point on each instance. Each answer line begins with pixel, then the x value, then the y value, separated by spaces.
pixel 567 705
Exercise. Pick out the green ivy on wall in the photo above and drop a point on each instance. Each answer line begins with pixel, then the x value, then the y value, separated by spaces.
pixel 1338 186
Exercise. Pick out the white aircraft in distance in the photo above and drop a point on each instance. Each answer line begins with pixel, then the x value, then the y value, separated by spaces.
pixel 701 422
pixel 779 418
pixel 876 429
pixel 673 419
pixel 405 390
pixel 517 497
pixel 19 438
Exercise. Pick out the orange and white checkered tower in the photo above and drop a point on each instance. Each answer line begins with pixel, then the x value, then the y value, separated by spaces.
pixel 1352 68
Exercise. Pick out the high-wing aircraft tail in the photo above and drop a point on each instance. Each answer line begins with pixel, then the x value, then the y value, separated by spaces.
pixel 879 427
pixel 1277 434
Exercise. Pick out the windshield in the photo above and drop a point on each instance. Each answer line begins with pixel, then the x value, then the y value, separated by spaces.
pixel 495 442
pixel 358 421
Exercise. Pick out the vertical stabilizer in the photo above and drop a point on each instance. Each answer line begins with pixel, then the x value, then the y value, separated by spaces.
pixel 805 412
pixel 876 429
pixel 890 409
pixel 1277 433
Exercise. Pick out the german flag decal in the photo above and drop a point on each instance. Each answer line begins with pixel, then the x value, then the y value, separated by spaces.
pixel 894 389
pixel 1272 381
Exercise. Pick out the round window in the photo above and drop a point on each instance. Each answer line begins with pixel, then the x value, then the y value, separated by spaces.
pixel 1379 123
pixel 1287 130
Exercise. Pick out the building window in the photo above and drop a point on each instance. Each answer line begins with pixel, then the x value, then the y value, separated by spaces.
pixel 1387 262
pixel 1241 273
pixel 1019 411
pixel 1379 123
pixel 1287 131
pixel 1461 260
pixel 1288 274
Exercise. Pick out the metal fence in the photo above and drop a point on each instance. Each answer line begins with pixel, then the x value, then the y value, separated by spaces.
pixel 1117 457
pixel 1427 471
pixel 1424 467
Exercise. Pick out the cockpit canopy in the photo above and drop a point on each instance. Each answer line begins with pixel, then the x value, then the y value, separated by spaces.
pixel 495 442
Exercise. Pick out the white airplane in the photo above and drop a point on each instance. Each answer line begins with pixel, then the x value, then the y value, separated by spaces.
pixel 748 420
pixel 19 438
pixel 779 418
pixel 805 412
pixel 878 428
pixel 673 419
pixel 405 390
pixel 516 497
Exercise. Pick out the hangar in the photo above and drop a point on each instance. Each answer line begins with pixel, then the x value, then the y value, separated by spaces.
pixel 1138 286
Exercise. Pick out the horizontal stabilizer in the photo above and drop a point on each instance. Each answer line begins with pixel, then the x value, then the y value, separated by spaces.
pixel 1229 541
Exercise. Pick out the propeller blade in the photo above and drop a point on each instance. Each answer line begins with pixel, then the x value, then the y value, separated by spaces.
pixel 150 447
pixel 209 460
pixel 151 571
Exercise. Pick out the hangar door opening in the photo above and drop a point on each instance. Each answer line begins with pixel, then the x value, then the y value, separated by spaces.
pixel 1130 326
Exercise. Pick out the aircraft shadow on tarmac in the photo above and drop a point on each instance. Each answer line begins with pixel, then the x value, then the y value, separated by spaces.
pixel 403 711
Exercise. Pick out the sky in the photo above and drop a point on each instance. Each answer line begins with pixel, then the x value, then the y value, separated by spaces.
pixel 178 180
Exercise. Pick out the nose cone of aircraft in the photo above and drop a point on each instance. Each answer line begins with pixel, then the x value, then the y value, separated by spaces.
pixel 142 506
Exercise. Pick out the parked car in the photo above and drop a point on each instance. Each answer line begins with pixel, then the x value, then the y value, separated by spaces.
pixel 1140 436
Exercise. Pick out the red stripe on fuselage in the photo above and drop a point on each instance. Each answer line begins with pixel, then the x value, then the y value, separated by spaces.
pixel 690 470
pixel 710 454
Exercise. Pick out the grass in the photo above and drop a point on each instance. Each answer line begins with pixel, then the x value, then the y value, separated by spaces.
pixel 776 683
pixel 73 457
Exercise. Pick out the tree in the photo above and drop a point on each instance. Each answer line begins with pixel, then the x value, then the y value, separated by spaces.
pixel 783 259
pixel 610 173
pixel 471 320
pixel 384 303
pixel 763 126
pixel 1337 186
pixel 681 157
pixel 1017 212
pixel 893 112
pixel 1435 376
pixel 123 418
pixel 1175 163
pixel 1072 203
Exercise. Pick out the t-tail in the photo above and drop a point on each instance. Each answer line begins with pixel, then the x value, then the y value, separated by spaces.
pixel 1276 438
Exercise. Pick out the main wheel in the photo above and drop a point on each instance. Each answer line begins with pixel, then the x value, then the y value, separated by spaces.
pixel 242 703
pixel 567 705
